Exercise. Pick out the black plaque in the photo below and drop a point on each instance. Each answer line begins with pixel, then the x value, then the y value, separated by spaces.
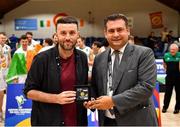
pixel 82 93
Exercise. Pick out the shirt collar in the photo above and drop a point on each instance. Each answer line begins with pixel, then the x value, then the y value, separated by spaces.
pixel 120 50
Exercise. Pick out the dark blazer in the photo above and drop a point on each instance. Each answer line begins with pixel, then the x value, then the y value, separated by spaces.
pixel 133 88
pixel 44 75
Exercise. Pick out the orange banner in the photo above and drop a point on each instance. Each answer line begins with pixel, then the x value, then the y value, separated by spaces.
pixel 48 23
pixel 156 20
pixel 81 22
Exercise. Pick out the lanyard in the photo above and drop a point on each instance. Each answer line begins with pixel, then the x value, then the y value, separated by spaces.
pixel 110 74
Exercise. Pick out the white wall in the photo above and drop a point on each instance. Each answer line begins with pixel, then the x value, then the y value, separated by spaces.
pixel 47 9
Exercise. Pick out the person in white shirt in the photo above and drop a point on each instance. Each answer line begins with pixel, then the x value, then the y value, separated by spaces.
pixel 81 46
pixel 47 44
pixel 5 58
pixel 32 43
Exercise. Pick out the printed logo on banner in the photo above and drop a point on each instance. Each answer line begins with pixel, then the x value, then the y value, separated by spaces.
pixel 19 110
pixel 160 68
pixel 20 100
pixel 161 73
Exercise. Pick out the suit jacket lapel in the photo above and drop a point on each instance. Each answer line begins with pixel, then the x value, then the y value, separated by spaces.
pixel 104 69
pixel 123 65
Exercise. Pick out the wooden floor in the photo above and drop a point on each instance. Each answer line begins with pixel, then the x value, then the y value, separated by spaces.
pixel 168 119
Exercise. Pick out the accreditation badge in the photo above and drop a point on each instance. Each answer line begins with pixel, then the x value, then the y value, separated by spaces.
pixel 82 93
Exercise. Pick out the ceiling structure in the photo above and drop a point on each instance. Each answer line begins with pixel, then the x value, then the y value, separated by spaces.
pixel 8 5
pixel 175 4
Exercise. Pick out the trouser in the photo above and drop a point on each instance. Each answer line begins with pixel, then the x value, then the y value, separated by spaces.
pixel 170 83
pixel 109 122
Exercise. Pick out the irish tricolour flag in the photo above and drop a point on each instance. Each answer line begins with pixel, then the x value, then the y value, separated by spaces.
pixel 20 65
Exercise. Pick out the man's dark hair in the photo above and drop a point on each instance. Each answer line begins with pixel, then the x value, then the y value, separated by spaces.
pixel 30 33
pixel 49 41
pixel 82 38
pixel 23 37
pixel 67 20
pixel 97 43
pixel 114 17
pixel 3 33
pixel 55 34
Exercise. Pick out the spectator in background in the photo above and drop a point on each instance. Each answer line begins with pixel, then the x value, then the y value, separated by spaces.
pixel 178 44
pixel 164 33
pixel 21 62
pixel 6 53
pixel 104 46
pixel 13 40
pixel 170 38
pixel 47 44
pixel 95 50
pixel 81 46
pixel 32 43
pixel 151 41
pixel 172 66
pixel 55 38
pixel 18 45
pixel 3 84
pixel 131 39
pixel 6 39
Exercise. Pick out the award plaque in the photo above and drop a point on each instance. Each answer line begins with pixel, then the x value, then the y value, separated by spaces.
pixel 82 93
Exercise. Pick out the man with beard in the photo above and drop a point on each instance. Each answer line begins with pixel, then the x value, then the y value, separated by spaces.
pixel 52 79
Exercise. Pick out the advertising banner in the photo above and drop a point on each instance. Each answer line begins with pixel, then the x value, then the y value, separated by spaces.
pixel 156 100
pixel 92 118
pixel 156 20
pixel 25 24
pixel 18 108
pixel 161 74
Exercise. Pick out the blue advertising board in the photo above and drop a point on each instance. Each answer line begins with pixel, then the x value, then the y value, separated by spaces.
pixel 161 73
pixel 18 108
pixel 25 24
pixel 92 118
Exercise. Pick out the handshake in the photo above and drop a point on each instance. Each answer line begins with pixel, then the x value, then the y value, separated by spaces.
pixel 101 103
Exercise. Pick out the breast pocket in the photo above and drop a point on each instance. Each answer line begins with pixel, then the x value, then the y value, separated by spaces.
pixel 129 71
pixel 130 76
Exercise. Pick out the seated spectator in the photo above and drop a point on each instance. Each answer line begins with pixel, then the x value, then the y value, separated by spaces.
pixel 170 38
pixel 164 33
pixel 151 41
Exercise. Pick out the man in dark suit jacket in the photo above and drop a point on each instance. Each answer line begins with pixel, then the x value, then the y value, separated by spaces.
pixel 123 98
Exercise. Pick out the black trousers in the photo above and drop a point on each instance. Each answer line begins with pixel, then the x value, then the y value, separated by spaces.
pixel 171 82
pixel 109 122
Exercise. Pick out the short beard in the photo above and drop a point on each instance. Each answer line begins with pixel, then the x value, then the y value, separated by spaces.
pixel 67 48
